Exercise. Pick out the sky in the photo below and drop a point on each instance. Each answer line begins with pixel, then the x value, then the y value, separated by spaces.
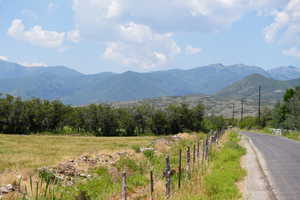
pixel 93 36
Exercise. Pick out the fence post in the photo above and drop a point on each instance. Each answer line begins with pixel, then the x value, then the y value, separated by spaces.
pixel 168 177
pixel 207 143
pixel 151 185
pixel 179 169
pixel 194 155
pixel 198 151
pixel 124 194
pixel 188 160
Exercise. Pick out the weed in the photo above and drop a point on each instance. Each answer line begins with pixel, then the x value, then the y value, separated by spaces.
pixel 136 148
pixel 149 154
pixel 127 164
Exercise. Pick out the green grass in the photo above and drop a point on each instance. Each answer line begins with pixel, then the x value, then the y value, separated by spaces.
pixel 226 171
pixel 220 180
pixel 105 185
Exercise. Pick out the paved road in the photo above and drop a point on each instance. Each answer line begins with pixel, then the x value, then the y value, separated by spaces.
pixel 282 157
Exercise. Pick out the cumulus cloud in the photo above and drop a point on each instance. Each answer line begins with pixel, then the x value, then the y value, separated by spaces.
pixel 165 15
pixel 74 36
pixel 139 45
pixel 139 32
pixel 285 28
pixel 4 58
pixel 36 35
pixel 192 50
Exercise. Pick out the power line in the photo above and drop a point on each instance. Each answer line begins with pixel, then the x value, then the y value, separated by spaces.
pixel 242 109
pixel 259 103
pixel 233 111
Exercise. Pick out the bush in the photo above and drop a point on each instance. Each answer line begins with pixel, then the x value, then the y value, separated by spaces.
pixel 248 123
pixel 136 148
pixel 127 164
pixel 149 154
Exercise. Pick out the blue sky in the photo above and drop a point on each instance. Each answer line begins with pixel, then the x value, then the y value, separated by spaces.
pixel 94 36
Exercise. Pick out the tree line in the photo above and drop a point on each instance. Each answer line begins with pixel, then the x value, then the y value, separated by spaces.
pixel 32 116
pixel 286 113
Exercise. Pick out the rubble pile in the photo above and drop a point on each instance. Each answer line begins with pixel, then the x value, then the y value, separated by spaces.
pixel 66 172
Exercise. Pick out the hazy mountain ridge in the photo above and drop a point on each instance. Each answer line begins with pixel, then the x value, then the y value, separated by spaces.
pixel 285 73
pixel 76 88
pixel 248 87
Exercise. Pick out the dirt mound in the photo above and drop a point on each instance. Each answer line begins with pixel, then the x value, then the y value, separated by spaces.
pixel 67 172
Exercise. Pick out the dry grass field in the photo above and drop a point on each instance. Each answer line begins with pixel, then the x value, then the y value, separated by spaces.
pixel 24 153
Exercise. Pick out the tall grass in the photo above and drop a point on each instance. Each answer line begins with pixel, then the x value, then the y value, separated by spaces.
pixel 218 182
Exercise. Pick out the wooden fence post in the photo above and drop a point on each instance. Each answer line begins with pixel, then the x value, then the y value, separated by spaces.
pixel 194 155
pixel 207 143
pixel 151 185
pixel 124 193
pixel 168 177
pixel 179 169
pixel 188 160
pixel 198 151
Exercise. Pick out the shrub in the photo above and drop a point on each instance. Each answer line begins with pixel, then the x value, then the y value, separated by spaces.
pixel 149 154
pixel 136 148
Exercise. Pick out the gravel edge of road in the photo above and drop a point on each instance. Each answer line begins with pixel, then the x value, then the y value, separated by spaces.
pixel 273 194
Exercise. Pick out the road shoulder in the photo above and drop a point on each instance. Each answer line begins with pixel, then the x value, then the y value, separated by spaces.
pixel 256 185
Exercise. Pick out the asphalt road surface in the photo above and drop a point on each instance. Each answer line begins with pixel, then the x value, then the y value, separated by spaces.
pixel 282 157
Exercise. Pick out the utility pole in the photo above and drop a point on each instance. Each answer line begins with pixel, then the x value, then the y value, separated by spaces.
pixel 242 109
pixel 259 99
pixel 233 111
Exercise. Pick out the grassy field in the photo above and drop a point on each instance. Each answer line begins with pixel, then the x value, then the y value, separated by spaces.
pixel 218 181
pixel 29 152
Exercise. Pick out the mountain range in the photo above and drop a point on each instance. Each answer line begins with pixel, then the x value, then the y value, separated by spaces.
pixel 271 89
pixel 72 87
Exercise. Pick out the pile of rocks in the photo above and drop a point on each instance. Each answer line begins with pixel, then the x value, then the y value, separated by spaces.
pixel 66 172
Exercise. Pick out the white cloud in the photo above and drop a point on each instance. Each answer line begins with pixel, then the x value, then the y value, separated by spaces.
pixel 294 52
pixel 192 50
pixel 139 45
pixel 285 29
pixel 74 36
pixel 36 35
pixel 166 15
pixel 33 64
pixel 4 58
pixel 139 32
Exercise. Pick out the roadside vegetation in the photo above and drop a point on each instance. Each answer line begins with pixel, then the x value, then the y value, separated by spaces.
pixel 221 178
